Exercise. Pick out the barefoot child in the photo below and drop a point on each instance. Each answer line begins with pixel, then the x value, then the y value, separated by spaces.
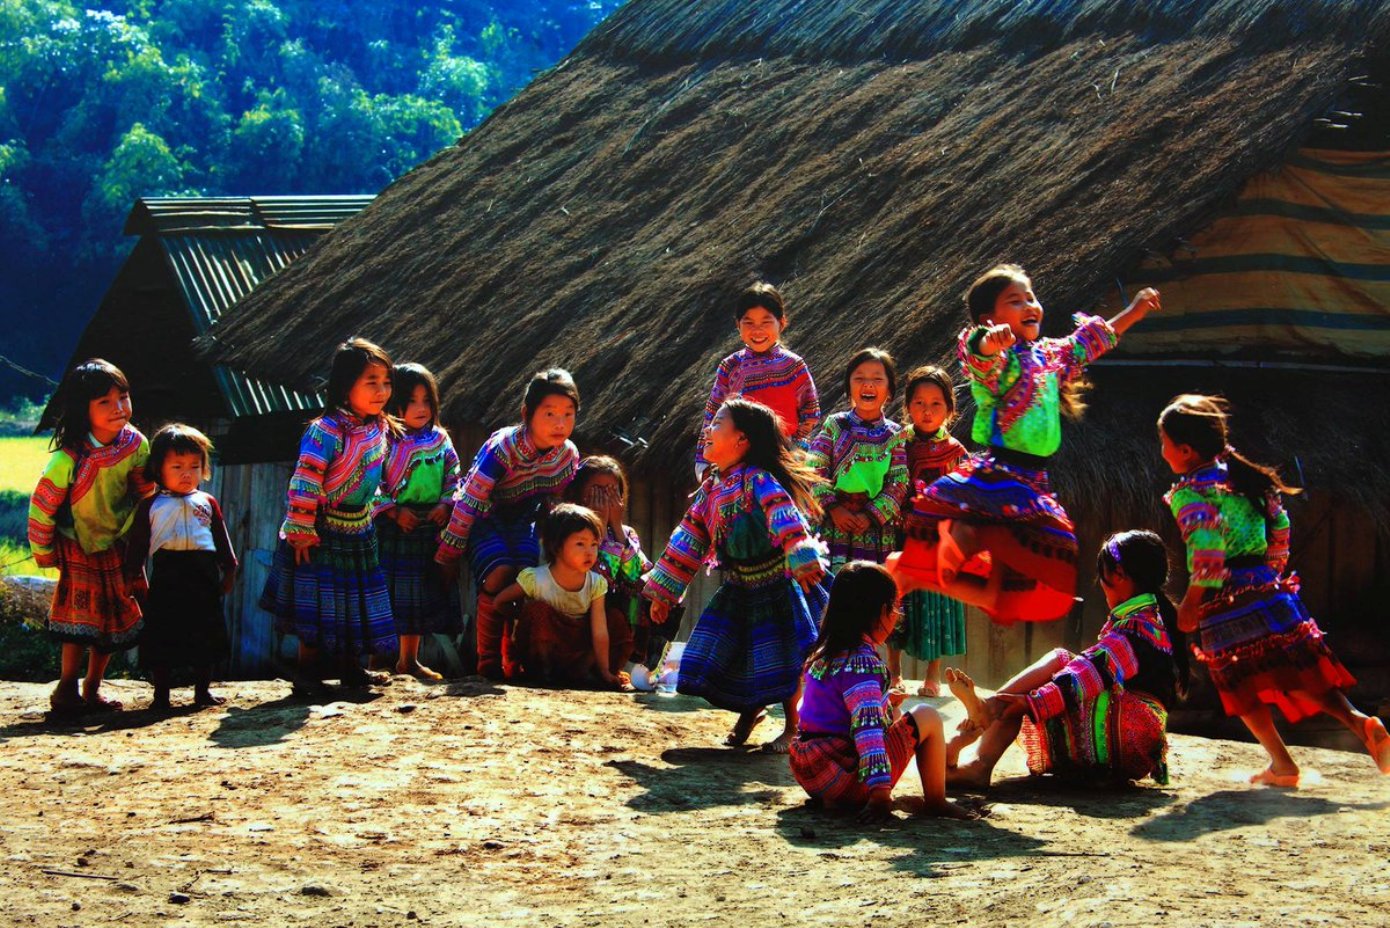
pixel 565 634
pixel 79 515
pixel 748 646
pixel 422 473
pixel 932 625
pixel 852 745
pixel 1001 505
pixel 859 456
pixel 326 586
pixel 763 370
pixel 518 474
pixel 1097 716
pixel 1254 634
pixel 194 565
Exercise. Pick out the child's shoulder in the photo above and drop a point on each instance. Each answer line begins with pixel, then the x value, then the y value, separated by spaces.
pixel 863 660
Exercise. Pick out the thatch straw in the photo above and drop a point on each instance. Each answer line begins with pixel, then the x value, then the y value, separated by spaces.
pixel 605 218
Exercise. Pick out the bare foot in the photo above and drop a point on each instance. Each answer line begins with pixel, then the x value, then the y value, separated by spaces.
pixel 1268 777
pixel 420 672
pixel 948 809
pixel 747 721
pixel 782 744
pixel 963 688
pixel 963 739
pixel 1377 742
pixel 973 775
pixel 96 703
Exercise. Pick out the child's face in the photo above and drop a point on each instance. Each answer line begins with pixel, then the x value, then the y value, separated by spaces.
pixel 580 551
pixel 552 422
pixel 601 491
pixel 1020 310
pixel 927 408
pixel 181 472
pixel 369 394
pixel 760 329
pixel 1117 587
pixel 1180 458
pixel 417 413
pixel 725 445
pixel 108 414
pixel 868 389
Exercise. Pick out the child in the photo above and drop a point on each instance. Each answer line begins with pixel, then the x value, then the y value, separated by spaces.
pixel 326 586
pixel 749 644
pixel 932 624
pixel 601 485
pixel 1257 640
pixel 194 565
pixel 565 634
pixel 1001 504
pixel 422 474
pixel 1097 716
pixel 850 749
pixel 78 518
pixel 515 478
pixel 764 371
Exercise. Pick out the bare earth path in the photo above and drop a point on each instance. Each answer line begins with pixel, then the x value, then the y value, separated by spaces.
pixel 478 805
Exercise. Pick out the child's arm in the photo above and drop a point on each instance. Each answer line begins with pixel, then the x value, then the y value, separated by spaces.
pixel 510 594
pixel 137 549
pixel 598 633
pixel 1110 660
pixel 787 530
pixel 1145 301
pixel 807 407
pixel 475 497
pixel 137 484
pixel 868 725
pixel 676 567
pixel 887 507
pixel 222 542
pixel 986 360
pixel 1203 531
pixel 453 478
pixel 1278 533
pixel 48 498
pixel 820 456
pixel 319 446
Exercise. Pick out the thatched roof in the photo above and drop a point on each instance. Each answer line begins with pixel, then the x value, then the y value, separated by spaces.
pixel 869 157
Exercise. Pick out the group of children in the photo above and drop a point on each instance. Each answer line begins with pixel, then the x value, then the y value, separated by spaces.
pixel 835 539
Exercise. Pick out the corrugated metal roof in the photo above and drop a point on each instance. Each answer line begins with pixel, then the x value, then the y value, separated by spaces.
pixel 220 249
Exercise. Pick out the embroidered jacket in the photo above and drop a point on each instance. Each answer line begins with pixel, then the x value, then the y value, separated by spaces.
pixel 778 379
pixel 1218 524
pixel 88 495
pixel 931 456
pixel 341 462
pixel 178 522
pixel 859 457
pixel 1133 651
pixel 422 469
pixel 1018 391
pixel 846 696
pixel 623 563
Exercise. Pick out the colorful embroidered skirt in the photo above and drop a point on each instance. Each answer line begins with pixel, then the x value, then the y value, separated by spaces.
pixel 873 545
pixel 748 646
pixel 1260 646
pixel 932 626
pixel 337 601
pixel 93 605
pixel 1021 527
pixel 559 648
pixel 1120 736
pixel 827 766
pixel 184 622
pixel 421 602
pixel 506 537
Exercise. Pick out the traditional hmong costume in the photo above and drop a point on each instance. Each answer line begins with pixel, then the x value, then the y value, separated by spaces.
pixel 187 536
pixel 338 600
pixel 1255 636
pixel 864 465
pixel 1104 716
pixel 1004 491
pixel 778 379
pixel 422 471
pixel 623 563
pixel 847 743
pixel 510 485
pixel 932 624
pixel 748 646
pixel 555 637
pixel 79 515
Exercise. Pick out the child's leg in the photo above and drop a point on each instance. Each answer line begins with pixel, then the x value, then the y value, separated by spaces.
pixel 1370 730
pixel 931 763
pixel 747 721
pixel 1282 770
pixel 996 740
pixel 91 685
pixel 495 656
pixel 1037 673
pixel 159 676
pixel 74 658
pixel 933 674
pixel 202 687
pixel 782 744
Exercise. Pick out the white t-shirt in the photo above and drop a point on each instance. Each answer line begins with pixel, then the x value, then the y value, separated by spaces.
pixel 538 583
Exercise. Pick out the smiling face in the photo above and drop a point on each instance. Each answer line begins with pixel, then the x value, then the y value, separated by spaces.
pixel 760 329
pixel 552 422
pixel 181 472
pixel 417 413
pixel 579 552
pixel 868 389
pixel 927 408
pixel 370 391
pixel 1019 309
pixel 725 445
pixel 108 414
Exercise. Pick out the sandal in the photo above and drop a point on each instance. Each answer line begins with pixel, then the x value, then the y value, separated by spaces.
pixel 1377 742
pixel 63 703
pixel 1267 777
pixel 99 703
pixel 929 688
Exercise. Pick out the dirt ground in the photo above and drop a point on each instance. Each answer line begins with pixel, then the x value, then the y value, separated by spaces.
pixel 470 804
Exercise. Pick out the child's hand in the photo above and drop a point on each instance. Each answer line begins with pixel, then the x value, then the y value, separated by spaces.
pixel 997 338
pixel 862 523
pixel 813 576
pixel 406 519
pixel 879 807
pixel 440 514
pixel 844 519
pixel 660 611
pixel 1146 301
pixel 302 545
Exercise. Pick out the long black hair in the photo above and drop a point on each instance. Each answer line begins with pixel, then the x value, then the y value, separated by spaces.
pixel 860 593
pixel 91 379
pixel 1200 422
pixel 1143 557
pixel 770 450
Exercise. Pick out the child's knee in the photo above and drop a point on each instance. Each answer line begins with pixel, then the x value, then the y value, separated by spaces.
pixel 927 720
pixel 1058 659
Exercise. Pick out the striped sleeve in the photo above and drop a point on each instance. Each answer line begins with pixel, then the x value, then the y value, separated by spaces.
pixel 868 724
pixel 717 394
pixel 44 504
pixel 887 506
pixel 819 454
pixel 990 371
pixel 1093 337
pixel 684 554
pixel 807 406
pixel 1203 531
pixel 453 470
pixel 1109 661
pixel 1278 533
pixel 474 498
pixel 319 446
pixel 786 525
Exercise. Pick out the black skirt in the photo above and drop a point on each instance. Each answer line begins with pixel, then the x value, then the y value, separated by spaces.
pixel 184 623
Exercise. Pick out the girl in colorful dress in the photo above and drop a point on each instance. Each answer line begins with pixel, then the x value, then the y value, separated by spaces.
pixel 748 646
pixel 565 633
pixel 763 370
pixel 852 745
pixel 1097 716
pixel 194 565
pixel 1001 505
pixel 517 475
pixel 422 474
pixel 1254 634
pixel 601 485
pixel 326 586
pixel 79 515
pixel 932 625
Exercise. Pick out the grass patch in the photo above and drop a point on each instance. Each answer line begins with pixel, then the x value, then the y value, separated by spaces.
pixel 22 460
pixel 15 561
